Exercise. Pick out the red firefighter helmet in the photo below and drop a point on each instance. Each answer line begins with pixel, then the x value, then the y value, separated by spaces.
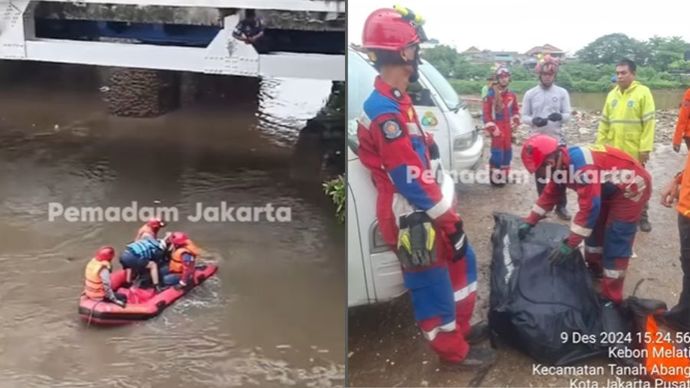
pixel 548 64
pixel 536 149
pixel 105 254
pixel 155 223
pixel 179 238
pixel 392 29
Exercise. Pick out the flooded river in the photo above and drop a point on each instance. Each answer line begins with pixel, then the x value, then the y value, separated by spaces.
pixel 274 313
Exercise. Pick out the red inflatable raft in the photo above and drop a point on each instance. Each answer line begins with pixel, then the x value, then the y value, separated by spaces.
pixel 142 303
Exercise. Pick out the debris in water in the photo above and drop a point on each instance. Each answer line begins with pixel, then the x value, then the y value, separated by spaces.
pixel 283 346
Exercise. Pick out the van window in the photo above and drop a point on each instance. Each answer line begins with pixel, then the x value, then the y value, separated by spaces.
pixel 444 89
pixel 360 83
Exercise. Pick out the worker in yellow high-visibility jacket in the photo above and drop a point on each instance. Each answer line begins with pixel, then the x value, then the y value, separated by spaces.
pixel 628 120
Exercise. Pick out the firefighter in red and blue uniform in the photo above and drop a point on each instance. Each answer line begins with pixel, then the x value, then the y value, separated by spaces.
pixel 405 167
pixel 501 114
pixel 612 190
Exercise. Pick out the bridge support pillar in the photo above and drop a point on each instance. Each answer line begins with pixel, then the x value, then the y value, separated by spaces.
pixel 140 92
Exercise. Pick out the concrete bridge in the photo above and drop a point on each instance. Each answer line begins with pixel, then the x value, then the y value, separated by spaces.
pixel 149 49
pixel 20 20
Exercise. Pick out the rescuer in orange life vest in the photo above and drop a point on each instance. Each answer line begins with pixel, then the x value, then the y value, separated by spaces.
pixel 679 190
pixel 97 284
pixel 150 229
pixel 180 271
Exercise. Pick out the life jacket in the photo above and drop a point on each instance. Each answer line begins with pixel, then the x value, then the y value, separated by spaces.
pixel 93 285
pixel 147 248
pixel 662 353
pixel 683 180
pixel 144 232
pixel 176 264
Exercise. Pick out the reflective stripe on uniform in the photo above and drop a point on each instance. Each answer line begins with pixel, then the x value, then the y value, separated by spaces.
pixel 464 292
pixel 587 155
pixel 580 230
pixel 614 273
pixel 441 207
pixel 364 120
pixel 538 210
pixel 431 334
pixel 413 129
pixel 589 249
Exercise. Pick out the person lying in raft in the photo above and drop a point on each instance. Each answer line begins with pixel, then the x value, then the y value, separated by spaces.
pixel 97 278
pixel 180 271
pixel 142 255
pixel 150 229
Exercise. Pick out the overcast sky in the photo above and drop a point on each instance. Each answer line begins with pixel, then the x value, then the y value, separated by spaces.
pixel 519 25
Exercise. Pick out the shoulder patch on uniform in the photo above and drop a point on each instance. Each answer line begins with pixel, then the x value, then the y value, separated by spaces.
pixel 391 129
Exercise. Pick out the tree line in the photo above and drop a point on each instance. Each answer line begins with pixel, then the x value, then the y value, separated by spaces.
pixel 661 65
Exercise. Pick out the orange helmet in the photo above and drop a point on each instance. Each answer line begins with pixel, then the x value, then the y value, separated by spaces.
pixel 105 253
pixel 536 149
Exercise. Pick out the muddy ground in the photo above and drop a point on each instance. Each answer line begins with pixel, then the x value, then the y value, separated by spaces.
pixel 387 349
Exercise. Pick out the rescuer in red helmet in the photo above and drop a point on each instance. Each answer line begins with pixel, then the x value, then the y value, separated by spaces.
pixel 415 205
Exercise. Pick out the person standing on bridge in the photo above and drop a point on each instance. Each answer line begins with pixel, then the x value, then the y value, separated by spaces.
pixel 416 216
pixel 501 116
pixel 628 121
pixel 546 107
pixel 250 29
pixel 97 284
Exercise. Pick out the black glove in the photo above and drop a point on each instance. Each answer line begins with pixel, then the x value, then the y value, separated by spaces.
pixel 434 153
pixel 523 229
pixel 561 254
pixel 416 240
pixel 539 122
pixel 459 242
pixel 555 116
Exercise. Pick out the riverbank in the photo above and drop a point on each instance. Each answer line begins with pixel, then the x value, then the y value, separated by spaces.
pixel 582 127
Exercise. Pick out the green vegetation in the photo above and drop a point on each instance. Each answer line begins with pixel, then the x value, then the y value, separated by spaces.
pixel 660 61
pixel 335 188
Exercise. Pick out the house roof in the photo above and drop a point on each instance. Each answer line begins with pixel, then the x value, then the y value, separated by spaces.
pixel 472 50
pixel 547 48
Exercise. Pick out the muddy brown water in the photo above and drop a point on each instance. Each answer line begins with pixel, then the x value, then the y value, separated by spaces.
pixel 385 348
pixel 273 315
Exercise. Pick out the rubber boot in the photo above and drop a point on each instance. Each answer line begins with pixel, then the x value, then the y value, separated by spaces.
pixel 477 358
pixel 478 333
pixel 563 213
pixel 645 225
pixel 496 178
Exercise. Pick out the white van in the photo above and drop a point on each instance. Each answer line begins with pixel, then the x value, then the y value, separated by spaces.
pixel 373 270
